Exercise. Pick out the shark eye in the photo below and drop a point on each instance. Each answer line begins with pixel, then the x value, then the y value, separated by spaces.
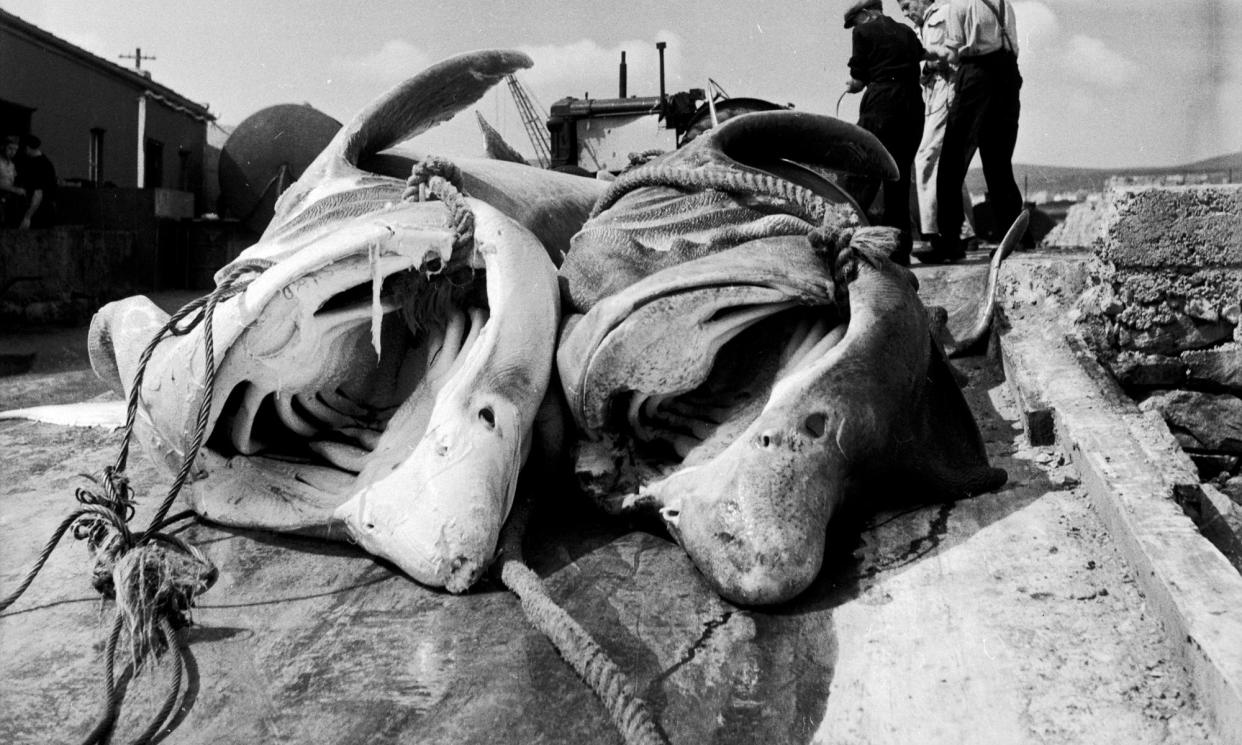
pixel 815 424
pixel 488 416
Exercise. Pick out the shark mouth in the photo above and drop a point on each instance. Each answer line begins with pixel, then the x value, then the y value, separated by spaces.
pixel 379 379
pixel 376 384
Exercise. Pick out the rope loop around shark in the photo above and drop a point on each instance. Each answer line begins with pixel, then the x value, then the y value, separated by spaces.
pixel 381 379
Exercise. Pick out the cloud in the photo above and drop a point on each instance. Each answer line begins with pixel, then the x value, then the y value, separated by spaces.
pixel 1080 58
pixel 395 61
pixel 1093 61
pixel 584 66
pixel 1038 29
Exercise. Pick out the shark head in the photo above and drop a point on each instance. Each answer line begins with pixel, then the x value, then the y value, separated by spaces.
pixel 377 377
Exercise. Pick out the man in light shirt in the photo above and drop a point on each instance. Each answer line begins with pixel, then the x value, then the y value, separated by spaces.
pixel 937 80
pixel 981 37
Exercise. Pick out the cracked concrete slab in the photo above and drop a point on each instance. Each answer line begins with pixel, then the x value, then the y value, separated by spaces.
pixel 1138 478
pixel 1010 617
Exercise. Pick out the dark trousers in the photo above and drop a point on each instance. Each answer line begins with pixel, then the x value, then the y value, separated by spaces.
pixel 984 113
pixel 893 112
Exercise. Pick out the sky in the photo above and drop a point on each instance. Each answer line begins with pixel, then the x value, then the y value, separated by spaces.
pixel 1116 84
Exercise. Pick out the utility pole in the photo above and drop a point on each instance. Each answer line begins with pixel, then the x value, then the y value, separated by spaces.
pixel 136 57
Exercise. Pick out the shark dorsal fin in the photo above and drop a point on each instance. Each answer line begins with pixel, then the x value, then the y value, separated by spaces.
pixel 429 98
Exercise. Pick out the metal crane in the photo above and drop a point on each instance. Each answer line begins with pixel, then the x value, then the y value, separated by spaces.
pixel 532 121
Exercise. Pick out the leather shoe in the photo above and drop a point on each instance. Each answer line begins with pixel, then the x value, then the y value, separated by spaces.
pixel 942 252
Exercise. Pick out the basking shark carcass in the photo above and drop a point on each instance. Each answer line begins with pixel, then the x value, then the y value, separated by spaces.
pixel 378 377
pixel 740 353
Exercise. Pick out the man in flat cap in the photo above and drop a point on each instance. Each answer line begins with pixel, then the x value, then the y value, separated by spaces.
pixel 885 61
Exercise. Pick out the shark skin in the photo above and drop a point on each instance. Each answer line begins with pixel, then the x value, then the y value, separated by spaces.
pixel 742 364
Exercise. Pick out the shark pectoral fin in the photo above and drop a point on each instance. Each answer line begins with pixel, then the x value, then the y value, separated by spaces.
pixel 968 329
pixel 118 334
pixel 946 456
pixel 414 106
pixel 808 138
pixel 286 497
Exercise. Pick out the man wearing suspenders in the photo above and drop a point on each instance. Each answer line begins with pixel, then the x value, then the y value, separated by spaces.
pixel 937 80
pixel 982 36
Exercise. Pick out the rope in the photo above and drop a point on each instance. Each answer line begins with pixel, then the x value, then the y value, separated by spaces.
pixel 159 721
pixel 810 206
pixel 830 241
pixel 835 249
pixel 440 178
pixel 153 592
pixel 628 711
pixel 102 731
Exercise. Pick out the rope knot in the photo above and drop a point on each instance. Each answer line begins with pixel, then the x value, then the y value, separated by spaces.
pixel 440 178
pixel 106 545
pixel 643 158
pixel 432 166
pixel 156 581
pixel 834 246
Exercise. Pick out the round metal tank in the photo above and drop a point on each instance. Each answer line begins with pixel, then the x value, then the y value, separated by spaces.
pixel 266 153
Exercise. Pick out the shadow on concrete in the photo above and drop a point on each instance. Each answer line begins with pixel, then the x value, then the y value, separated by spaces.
pixel 771 679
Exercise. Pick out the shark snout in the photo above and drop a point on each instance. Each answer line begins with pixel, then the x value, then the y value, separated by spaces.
pixel 754 519
pixel 437 515
pixel 449 546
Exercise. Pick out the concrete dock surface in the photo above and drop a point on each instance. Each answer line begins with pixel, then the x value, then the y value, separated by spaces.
pixel 1011 617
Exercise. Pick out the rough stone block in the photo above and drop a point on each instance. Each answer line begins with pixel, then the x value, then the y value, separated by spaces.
pixel 58 263
pixel 1174 226
pixel 1083 226
pixel 1134 369
pixel 1167 311
pixel 1212 465
pixel 1220 366
pixel 1203 421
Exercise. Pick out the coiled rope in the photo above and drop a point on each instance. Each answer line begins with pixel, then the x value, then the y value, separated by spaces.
pixel 441 179
pixel 155 577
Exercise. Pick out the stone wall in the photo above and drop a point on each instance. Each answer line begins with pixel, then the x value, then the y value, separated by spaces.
pixel 1082 227
pixel 61 275
pixel 1163 310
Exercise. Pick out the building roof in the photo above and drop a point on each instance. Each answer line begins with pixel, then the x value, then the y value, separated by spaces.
pixel 161 92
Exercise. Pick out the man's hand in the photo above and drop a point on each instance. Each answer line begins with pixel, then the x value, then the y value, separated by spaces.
pixel 942 54
pixel 854 85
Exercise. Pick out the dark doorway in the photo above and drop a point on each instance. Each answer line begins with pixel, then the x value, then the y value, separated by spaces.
pixel 153 171
pixel 14 118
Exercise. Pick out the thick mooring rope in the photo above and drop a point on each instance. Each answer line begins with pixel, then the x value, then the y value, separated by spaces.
pixel 809 205
pixel 628 711
pixel 121 566
pixel 441 179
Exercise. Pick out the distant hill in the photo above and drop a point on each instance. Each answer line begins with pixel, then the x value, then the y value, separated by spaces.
pixel 1064 179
